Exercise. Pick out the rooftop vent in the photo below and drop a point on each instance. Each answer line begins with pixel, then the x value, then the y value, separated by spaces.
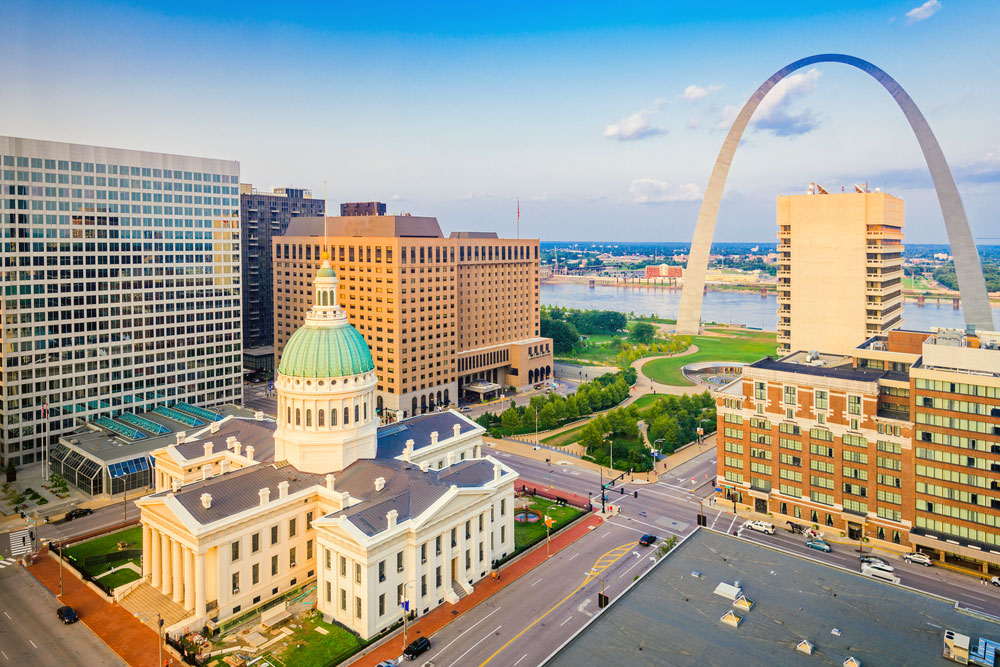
pixel 206 500
pixel 424 466
pixel 379 483
pixel 214 428
pixel 805 646
pixel 330 483
pixel 390 519
pixel 180 437
pixel 250 452
pixel 259 416
pixel 265 496
pixel 743 602
pixel 283 489
pixel 209 446
pixel 731 618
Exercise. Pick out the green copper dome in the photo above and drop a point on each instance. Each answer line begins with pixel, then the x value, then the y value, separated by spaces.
pixel 323 352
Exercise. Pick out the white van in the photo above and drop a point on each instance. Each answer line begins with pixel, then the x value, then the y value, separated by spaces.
pixel 878 573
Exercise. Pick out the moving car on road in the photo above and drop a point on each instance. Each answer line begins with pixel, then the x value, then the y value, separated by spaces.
pixel 995 581
pixel 918 558
pixel 78 512
pixel 760 527
pixel 647 539
pixel 876 561
pixel 416 647
pixel 819 545
pixel 67 615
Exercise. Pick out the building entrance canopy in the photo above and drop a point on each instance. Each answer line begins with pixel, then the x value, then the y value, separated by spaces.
pixel 482 387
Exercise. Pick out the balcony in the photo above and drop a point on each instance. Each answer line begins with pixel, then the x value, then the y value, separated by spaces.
pixel 784 298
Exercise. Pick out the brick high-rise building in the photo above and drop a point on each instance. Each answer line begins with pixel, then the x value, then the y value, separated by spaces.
pixel 840 260
pixel 364 208
pixel 265 214
pixel 899 441
pixel 443 316
pixel 121 286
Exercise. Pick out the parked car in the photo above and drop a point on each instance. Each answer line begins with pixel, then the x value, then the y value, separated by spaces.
pixel 67 615
pixel 819 545
pixel 918 558
pixel 878 561
pixel 416 647
pixel 995 581
pixel 760 527
pixel 647 539
pixel 78 512
pixel 386 663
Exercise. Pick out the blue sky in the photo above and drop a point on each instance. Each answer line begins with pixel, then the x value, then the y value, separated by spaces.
pixel 604 119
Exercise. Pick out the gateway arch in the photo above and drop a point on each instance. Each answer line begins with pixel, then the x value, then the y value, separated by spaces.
pixel 972 287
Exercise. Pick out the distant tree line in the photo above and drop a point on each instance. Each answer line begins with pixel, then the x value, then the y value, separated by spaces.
pixel 945 275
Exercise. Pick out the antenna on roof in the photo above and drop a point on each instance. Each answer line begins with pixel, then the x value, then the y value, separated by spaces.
pixel 326 205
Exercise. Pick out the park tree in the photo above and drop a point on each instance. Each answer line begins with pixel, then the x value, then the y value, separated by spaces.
pixel 547 417
pixel 510 419
pixel 642 332
pixel 563 334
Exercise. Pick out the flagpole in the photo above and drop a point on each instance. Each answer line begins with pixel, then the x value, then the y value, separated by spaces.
pixel 518 228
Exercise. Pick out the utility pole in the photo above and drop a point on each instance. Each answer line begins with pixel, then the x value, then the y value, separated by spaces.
pixel 60 570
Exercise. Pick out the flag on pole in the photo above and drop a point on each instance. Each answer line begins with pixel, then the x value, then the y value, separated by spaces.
pixel 45 410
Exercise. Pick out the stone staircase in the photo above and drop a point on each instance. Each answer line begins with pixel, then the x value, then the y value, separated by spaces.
pixel 147 601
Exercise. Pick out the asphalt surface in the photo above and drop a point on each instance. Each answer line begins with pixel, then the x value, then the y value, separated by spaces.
pixel 31 634
pixel 935 580
pixel 62 529
pixel 527 620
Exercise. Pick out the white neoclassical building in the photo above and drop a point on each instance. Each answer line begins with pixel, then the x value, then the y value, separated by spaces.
pixel 247 510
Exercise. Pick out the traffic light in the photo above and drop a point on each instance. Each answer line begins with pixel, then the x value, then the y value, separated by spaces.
pixel 702 521
pixel 602 600
pixel 635 494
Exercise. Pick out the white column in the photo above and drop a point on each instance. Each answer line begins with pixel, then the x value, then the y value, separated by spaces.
pixel 188 579
pixel 199 585
pixel 155 562
pixel 147 551
pixel 178 575
pixel 166 582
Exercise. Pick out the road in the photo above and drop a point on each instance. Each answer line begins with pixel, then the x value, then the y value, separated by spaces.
pixel 935 580
pixel 30 633
pixel 527 620
pixel 62 529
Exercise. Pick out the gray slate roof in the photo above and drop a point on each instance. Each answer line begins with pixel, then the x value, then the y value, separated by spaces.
pixel 238 491
pixel 392 438
pixel 672 618
pixel 250 432
pixel 407 490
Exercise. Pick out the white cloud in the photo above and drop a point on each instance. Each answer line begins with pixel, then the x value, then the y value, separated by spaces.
pixel 649 191
pixel 923 12
pixel 727 117
pixel 696 92
pixel 637 126
pixel 773 113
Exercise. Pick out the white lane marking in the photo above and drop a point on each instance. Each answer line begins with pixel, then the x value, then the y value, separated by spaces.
pixel 520 659
pixel 487 636
pixel 5 657
pixel 574 555
pixel 651 525
pixel 568 619
pixel 537 582
pixel 974 597
pixel 32 643
pixel 467 631
pixel 7 615
pixel 637 563
pixel 731 523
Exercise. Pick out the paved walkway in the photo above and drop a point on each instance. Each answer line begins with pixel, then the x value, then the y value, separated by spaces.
pixel 126 635
pixel 446 613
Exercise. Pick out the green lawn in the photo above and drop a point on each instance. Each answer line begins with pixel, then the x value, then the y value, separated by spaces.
pixel 564 438
pixel 306 647
pixel 105 544
pixel 119 578
pixel 526 533
pixel 645 401
pixel 747 347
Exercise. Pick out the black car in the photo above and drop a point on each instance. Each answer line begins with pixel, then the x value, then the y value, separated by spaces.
pixel 67 615
pixel 78 512
pixel 646 540
pixel 416 647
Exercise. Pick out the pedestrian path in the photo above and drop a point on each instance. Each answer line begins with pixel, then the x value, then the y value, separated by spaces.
pixel 20 542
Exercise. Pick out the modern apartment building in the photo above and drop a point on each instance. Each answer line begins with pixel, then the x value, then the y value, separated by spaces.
pixel 840 260
pixel 263 215
pixel 899 441
pixel 364 208
pixel 121 279
pixel 444 317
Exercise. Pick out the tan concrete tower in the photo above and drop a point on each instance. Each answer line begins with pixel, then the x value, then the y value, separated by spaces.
pixel 840 273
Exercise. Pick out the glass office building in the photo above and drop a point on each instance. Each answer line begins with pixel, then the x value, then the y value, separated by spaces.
pixel 121 287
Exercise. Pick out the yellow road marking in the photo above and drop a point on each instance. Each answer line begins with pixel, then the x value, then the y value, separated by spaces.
pixel 624 549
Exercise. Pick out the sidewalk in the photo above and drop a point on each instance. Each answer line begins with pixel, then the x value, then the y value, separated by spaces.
pixel 126 635
pixel 485 588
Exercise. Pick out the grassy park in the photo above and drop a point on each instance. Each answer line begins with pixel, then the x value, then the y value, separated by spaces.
pixel 105 544
pixel 737 345
pixel 526 533
pixel 567 437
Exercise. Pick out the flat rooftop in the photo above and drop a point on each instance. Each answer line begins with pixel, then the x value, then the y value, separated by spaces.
pixel 672 618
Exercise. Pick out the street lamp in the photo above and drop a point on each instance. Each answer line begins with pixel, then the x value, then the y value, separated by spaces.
pixel 600 575
pixel 405 604
pixel 142 616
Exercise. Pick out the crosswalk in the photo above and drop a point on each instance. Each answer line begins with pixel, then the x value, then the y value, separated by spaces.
pixel 6 561
pixel 20 542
